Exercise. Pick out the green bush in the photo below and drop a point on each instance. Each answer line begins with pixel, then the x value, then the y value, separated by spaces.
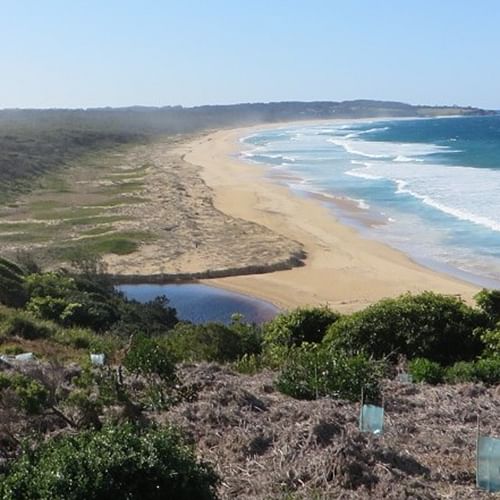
pixel 149 358
pixel 32 395
pixel 312 371
pixel 439 328
pixel 57 297
pixel 292 328
pixel 487 370
pixel 115 462
pixel 212 342
pixel 51 284
pixel 424 370
pixel 84 338
pixel 491 339
pixel 489 302
pixel 460 372
pixel 25 325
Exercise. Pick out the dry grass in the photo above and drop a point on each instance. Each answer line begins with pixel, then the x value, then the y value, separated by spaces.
pixel 266 445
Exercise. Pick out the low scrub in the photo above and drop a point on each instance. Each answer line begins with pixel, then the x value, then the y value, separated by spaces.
pixel 312 372
pixel 29 394
pixel 84 338
pixel 486 370
pixel 115 462
pixel 25 325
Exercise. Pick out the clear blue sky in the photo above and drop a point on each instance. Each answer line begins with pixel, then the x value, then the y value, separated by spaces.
pixel 76 53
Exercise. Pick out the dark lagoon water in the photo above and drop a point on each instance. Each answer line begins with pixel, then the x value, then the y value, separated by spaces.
pixel 202 303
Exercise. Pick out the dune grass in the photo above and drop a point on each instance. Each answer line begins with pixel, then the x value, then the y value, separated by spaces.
pixel 118 243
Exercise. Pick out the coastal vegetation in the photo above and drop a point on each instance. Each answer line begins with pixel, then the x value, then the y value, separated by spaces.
pixel 57 408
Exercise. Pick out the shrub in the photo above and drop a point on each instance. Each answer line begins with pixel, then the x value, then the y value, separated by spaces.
pixel 249 364
pixel 491 339
pixel 210 342
pixel 292 328
pixel 149 358
pixel 312 371
pixel 52 284
pixel 115 462
pixel 487 370
pixel 32 395
pixel 82 338
pixel 152 318
pixel 12 286
pixel 78 308
pixel 460 372
pixel 439 328
pixel 489 302
pixel 56 297
pixel 424 370
pixel 25 325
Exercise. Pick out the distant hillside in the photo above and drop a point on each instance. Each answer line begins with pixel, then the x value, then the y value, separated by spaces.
pixel 33 142
pixel 176 119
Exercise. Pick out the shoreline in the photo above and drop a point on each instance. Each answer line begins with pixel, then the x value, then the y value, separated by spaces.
pixel 342 268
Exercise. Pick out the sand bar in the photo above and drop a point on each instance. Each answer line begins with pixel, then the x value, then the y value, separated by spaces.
pixel 342 268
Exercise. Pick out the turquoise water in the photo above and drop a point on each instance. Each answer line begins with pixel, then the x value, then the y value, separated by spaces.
pixel 434 184
pixel 201 303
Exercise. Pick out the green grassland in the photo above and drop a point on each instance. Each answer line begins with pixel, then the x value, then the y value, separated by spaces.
pixel 81 205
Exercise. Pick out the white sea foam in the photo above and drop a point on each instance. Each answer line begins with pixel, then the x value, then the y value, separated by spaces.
pixel 466 193
pixel 372 130
pixel 363 175
pixel 389 150
pixel 405 159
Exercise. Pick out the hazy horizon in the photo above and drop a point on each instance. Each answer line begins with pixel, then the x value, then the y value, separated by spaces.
pixel 120 54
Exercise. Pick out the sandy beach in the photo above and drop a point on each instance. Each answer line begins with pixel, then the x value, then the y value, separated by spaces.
pixel 342 269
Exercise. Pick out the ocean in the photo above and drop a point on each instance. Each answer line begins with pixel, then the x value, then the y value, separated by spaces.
pixel 429 187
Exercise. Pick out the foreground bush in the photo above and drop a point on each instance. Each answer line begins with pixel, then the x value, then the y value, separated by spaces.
pixel 292 328
pixel 213 342
pixel 437 327
pixel 116 462
pixel 312 372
